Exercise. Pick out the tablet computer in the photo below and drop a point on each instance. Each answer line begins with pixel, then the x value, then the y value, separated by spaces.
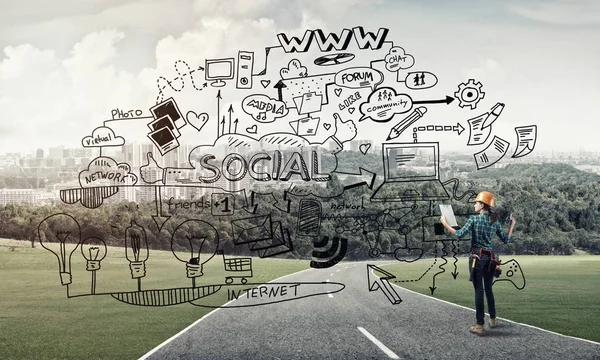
pixel 448 213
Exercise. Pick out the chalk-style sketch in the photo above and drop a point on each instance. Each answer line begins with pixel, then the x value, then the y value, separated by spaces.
pixel 61 234
pixel 136 251
pixel 197 121
pixel 184 71
pixel 526 138
pixel 293 70
pixel 493 153
pixel 397 59
pixel 469 94
pixel 376 282
pixel 292 171
pixel 334 59
pixel 218 70
pixel 417 80
pixel 329 256
pixel 245 66
pixel 397 129
pixel 408 176
pixel 477 133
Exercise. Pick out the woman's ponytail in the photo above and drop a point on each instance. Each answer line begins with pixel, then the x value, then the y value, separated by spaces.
pixel 491 213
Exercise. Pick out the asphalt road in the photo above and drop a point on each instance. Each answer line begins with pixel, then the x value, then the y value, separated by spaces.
pixel 357 324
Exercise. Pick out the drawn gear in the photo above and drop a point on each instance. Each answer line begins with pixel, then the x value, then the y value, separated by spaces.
pixel 487 198
pixel 469 94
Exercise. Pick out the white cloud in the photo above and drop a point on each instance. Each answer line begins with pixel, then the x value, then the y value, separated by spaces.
pixel 565 12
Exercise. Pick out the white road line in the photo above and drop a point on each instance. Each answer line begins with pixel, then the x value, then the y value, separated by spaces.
pixel 149 353
pixel 473 310
pixel 330 295
pixel 385 349
pixel 327 280
pixel 330 275
pixel 338 270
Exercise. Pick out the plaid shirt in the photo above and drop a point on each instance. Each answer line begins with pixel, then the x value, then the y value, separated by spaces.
pixel 484 231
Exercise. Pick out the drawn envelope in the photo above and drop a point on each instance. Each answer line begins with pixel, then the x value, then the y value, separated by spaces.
pixel 252 229
pixel 286 245
pixel 276 240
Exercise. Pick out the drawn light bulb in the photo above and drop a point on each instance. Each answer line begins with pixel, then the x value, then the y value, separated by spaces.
pixel 136 251
pixel 93 250
pixel 60 234
pixel 194 242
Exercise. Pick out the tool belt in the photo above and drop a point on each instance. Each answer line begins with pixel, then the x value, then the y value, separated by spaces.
pixel 493 265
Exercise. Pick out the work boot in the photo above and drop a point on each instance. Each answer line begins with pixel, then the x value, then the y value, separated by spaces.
pixel 477 329
pixel 493 323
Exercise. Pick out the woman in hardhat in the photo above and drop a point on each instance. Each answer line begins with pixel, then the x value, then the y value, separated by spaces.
pixel 482 228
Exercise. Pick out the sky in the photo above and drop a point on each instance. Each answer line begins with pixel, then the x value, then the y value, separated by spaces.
pixel 66 65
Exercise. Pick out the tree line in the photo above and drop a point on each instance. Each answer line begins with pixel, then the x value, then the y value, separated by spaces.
pixel 557 209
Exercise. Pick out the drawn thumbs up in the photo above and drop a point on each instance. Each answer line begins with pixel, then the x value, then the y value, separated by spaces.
pixel 151 172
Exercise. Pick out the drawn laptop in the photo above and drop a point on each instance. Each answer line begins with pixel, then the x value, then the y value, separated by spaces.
pixel 411 173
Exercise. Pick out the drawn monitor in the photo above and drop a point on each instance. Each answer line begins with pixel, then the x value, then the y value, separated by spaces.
pixel 217 70
pixel 411 173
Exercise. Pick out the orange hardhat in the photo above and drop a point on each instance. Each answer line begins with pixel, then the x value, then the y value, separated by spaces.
pixel 486 197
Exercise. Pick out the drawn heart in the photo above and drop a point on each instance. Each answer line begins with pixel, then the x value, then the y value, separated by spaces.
pixel 364 148
pixel 351 110
pixel 252 129
pixel 337 92
pixel 265 83
pixel 197 121
pixel 327 126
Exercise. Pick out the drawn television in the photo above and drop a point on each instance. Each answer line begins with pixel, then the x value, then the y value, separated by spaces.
pixel 217 70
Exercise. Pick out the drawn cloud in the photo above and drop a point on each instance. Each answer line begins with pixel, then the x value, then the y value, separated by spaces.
pixel 294 70
pixel 102 136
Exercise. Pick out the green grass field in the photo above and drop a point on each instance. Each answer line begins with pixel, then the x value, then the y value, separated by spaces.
pixel 38 321
pixel 562 293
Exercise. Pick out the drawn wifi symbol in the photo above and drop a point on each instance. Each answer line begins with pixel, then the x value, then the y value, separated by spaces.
pixel 329 256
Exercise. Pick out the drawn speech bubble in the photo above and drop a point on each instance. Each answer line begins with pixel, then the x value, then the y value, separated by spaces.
pixel 383 104
pixel 263 108
pixel 359 77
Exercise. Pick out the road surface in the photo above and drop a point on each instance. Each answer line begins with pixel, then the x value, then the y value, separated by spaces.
pixel 357 324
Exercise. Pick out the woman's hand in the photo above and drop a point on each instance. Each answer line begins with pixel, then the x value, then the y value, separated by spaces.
pixel 443 220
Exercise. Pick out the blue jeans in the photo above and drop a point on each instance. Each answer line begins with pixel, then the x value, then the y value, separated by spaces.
pixel 482 281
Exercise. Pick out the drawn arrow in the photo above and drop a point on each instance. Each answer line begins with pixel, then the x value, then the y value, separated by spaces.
pixel 230 111
pixel 370 179
pixel 235 127
pixel 382 283
pixel 269 198
pixel 218 110
pixel 251 207
pixel 159 219
pixel 223 125
pixel 447 100
pixel 433 287
pixel 279 86
pixel 454 252
pixel 458 128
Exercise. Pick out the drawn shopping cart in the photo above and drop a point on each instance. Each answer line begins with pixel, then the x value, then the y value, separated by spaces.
pixel 241 266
